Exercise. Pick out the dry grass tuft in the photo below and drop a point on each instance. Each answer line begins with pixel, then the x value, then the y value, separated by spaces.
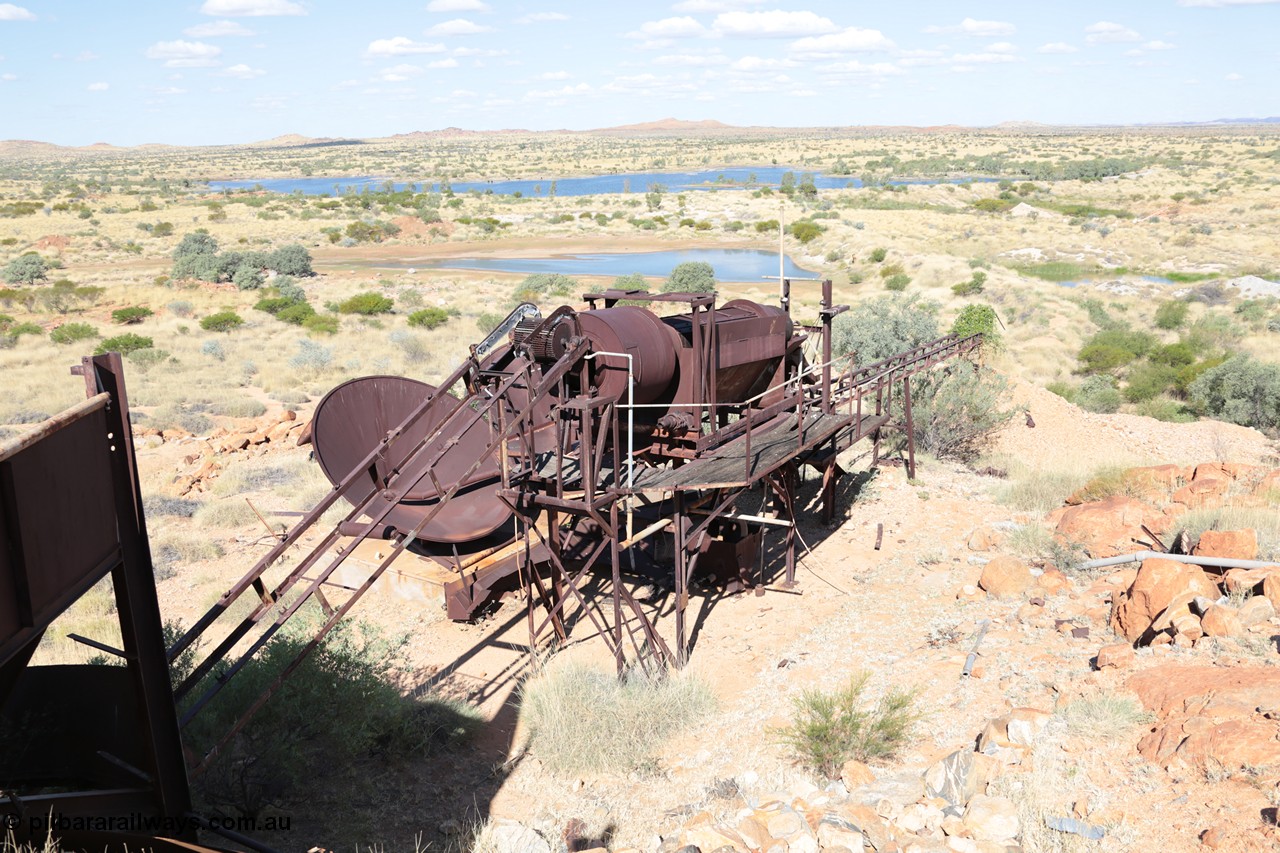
pixel 585 720
pixel 1265 521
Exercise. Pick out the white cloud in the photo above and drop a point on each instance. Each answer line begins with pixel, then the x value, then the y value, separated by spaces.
pixel 8 78
pixel 802 93
pixel 862 69
pixel 168 90
pixel 976 29
pixel 83 56
pixel 1158 45
pixel 399 73
pixel 450 62
pixel 401 46
pixel 216 29
pixel 915 58
pixel 693 60
pixel 98 87
pixel 757 64
pixel 10 12
pixel 1057 47
pixel 185 54
pixel 458 27
pixel 1002 47
pixel 848 40
pixel 1220 4
pixel 554 75
pixel 458 6
pixel 1233 77
pixel 251 8
pixel 1109 32
pixel 477 51
pixel 669 28
pixel 983 58
pixel 243 72
pixel 541 17
pixel 564 92
pixel 772 24
pixel 713 5
pixel 648 84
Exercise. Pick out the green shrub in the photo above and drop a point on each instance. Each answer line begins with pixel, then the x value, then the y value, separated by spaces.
pixel 5 322
pixel 1171 315
pixel 145 359
pixel 130 316
pixel 222 321
pixel 1242 391
pixel 897 282
pixel 1064 390
pixel 1099 394
pixel 17 330
pixel 830 728
pixel 124 344
pixel 973 286
pixel 766 225
pixel 429 318
pixel 367 304
pixel 1174 355
pixel 323 324
pixel 27 268
pixel 878 255
pixel 804 230
pixel 978 319
pixel 957 410
pixel 69 333
pixel 297 313
pixel 634 281
pixel 293 259
pixel 1147 381
pixel 247 277
pixel 585 720
pixel 691 277
pixel 273 305
pixel 553 283
pixel 879 328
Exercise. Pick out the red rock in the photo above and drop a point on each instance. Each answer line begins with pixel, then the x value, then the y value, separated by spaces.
pixel 1231 544
pixel 1170 476
pixel 1271 589
pixel 1117 656
pixel 984 539
pixel 1108 527
pixel 1244 581
pixel 288 415
pixel 1221 621
pixel 1054 582
pixel 855 774
pixel 1269 486
pixel 1223 471
pixel 1201 493
pixel 1005 576
pixel 1157 584
pixel 1256 610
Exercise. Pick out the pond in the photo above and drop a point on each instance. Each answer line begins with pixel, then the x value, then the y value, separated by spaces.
pixel 1151 279
pixel 735 178
pixel 736 265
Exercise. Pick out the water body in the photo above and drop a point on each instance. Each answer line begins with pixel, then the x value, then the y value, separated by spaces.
pixel 1153 279
pixel 634 182
pixel 730 265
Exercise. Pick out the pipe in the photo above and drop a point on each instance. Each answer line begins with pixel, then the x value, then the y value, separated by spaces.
pixel 1215 562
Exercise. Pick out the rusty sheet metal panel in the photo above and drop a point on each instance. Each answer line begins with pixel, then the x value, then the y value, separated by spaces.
pixel 57 524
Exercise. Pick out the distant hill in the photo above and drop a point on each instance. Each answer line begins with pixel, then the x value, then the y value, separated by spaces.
pixel 671 124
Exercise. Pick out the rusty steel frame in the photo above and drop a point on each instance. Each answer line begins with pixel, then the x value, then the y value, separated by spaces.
pixel 161 782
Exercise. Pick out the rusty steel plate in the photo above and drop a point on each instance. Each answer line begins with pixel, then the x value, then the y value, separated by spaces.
pixel 355 416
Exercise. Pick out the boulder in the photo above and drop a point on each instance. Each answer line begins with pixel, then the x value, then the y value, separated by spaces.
pixel 1223 471
pixel 1116 656
pixel 1245 581
pixel 985 539
pixel 1255 611
pixel 992 819
pixel 1005 576
pixel 1156 585
pixel 1271 589
pixel 1201 493
pixel 855 774
pixel 960 776
pixel 1231 544
pixel 835 831
pixel 1018 728
pixel 1221 621
pixel 509 836
pixel 1054 582
pixel 1107 527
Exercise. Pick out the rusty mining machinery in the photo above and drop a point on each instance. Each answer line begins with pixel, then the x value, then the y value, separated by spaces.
pixel 598 445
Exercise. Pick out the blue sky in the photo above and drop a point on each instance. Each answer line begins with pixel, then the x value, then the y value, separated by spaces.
pixel 76 72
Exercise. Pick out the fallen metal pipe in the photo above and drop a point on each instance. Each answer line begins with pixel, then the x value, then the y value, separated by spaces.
pixel 1215 562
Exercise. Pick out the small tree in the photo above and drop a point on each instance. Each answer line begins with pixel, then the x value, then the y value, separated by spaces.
pixel 69 333
pixel 124 344
pixel 882 327
pixel 691 277
pixel 1171 315
pixel 26 269
pixel 977 319
pixel 368 304
pixel 131 316
pixel 223 321
pixel 804 230
pixel 1242 391
pixel 429 318
pixel 957 410
pixel 292 259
